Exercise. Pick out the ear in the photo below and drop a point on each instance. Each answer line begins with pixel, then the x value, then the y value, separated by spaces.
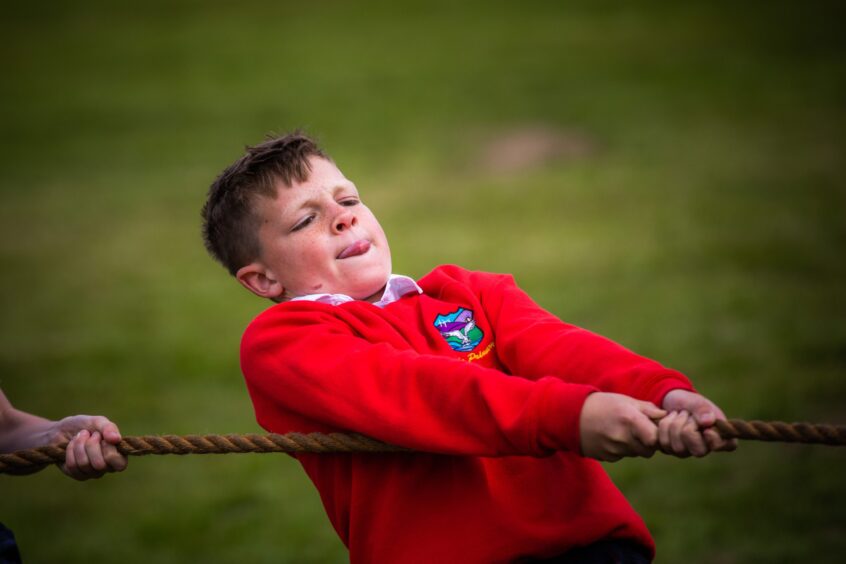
pixel 256 278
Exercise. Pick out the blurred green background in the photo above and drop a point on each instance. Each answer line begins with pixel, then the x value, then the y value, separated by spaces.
pixel 670 175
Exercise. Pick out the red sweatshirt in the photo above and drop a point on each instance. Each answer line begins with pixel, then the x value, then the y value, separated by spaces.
pixel 486 384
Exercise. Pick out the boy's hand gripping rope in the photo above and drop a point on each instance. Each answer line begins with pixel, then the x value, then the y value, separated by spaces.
pixel 27 461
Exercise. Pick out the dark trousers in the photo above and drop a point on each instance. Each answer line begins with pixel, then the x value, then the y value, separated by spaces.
pixel 601 552
pixel 8 547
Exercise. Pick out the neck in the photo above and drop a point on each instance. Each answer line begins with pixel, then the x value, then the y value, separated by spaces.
pixel 377 296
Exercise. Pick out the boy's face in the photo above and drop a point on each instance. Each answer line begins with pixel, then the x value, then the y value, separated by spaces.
pixel 317 237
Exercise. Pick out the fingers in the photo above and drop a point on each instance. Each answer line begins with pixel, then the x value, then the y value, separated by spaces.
pixel 88 464
pixel 70 467
pixel 713 438
pixel 666 429
pixel 114 459
pixel 645 434
pixel 706 414
pixel 716 442
pixel 639 449
pixel 664 432
pixel 693 440
pixel 651 410
pixel 706 417
pixel 88 456
pixel 639 435
pixel 76 463
pixel 676 429
pixel 95 453
pixel 679 435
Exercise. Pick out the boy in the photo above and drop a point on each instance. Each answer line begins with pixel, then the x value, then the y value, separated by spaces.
pixel 507 405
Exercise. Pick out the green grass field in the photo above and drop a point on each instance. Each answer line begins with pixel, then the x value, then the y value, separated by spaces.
pixel 698 218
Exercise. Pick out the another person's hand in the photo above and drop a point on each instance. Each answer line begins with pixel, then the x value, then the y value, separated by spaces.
pixel 688 429
pixel 614 425
pixel 91 452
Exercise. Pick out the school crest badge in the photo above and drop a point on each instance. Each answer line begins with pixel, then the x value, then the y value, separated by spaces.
pixel 459 330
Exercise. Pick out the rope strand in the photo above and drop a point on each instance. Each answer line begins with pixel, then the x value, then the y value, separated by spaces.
pixel 27 461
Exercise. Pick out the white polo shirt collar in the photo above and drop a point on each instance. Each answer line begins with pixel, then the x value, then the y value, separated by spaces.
pixel 397 287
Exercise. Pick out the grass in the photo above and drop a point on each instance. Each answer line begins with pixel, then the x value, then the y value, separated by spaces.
pixel 705 231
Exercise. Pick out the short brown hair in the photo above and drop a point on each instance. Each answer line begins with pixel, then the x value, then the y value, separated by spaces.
pixel 230 225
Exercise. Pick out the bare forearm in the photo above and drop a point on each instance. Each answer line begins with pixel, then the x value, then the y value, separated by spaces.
pixel 21 430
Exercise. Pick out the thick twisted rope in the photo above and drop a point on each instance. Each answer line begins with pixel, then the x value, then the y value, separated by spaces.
pixel 776 431
pixel 27 461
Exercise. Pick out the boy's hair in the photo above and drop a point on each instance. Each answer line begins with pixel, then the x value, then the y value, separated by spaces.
pixel 230 225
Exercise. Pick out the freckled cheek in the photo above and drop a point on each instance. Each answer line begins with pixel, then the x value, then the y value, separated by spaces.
pixel 315 255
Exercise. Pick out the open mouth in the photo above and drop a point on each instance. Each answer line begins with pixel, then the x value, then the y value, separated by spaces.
pixel 358 248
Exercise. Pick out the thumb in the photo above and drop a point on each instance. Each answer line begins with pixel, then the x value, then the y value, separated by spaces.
pixel 645 431
pixel 651 410
pixel 111 433
pixel 108 430
pixel 704 415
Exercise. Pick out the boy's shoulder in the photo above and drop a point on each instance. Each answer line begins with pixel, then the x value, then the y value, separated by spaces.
pixel 446 274
pixel 285 317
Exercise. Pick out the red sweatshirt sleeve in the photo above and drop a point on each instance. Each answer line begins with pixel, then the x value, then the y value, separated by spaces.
pixel 302 359
pixel 534 343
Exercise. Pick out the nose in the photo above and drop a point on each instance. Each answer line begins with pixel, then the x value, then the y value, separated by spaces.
pixel 344 220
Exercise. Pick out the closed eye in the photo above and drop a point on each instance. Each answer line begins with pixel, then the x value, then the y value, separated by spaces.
pixel 303 223
pixel 350 202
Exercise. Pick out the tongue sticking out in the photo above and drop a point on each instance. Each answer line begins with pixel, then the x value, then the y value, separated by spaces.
pixel 357 248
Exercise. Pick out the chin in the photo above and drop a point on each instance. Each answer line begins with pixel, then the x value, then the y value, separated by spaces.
pixel 368 281
pixel 370 291
pixel 371 296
